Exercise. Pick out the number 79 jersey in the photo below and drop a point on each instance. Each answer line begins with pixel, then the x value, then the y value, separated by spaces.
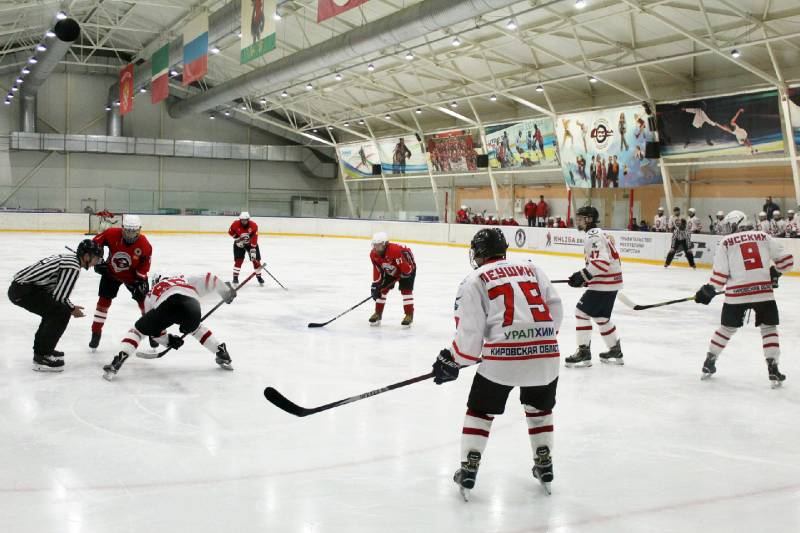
pixel 507 317
pixel 741 266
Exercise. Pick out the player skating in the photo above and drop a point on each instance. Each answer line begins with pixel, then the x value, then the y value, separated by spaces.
pixel 507 314
pixel 603 277
pixel 742 268
pixel 175 300
pixel 245 234
pixel 391 263
pixel 738 132
pixel 128 263
pixel 681 242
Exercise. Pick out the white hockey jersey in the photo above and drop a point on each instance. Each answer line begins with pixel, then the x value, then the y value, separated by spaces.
pixel 767 226
pixel 693 225
pixel 780 228
pixel 193 286
pixel 792 227
pixel 719 227
pixel 741 266
pixel 660 223
pixel 673 221
pixel 602 261
pixel 507 317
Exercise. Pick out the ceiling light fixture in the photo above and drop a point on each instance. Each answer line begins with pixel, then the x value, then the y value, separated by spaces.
pixel 26 70
pixel 361 122
pixel 108 108
pixel 539 89
pixel 456 41
pixel 580 4
pixel 371 67
pixel 14 89
pixel 338 77
pixel 211 116
pixel 276 15
pixel 33 61
pixel 511 24
pixel 735 53
pixel 41 47
pixel 409 55
pixel 61 15
pixel 227 113
pixel 214 50
pixel 453 104
pixel 346 124
pixel 309 86
pixel 592 79
pixel 418 111
pixel 49 34
pixel 19 80
pixel 263 101
pixel 493 98
pixel 388 116
pixel 284 94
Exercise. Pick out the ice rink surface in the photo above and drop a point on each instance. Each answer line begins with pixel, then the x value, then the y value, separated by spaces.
pixel 177 444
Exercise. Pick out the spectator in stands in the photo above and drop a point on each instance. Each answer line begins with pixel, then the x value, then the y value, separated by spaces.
pixel 530 212
pixel 461 215
pixel 477 218
pixel 769 207
pixel 491 221
pixel 633 225
pixel 542 210
pixel 643 226
pixel 560 223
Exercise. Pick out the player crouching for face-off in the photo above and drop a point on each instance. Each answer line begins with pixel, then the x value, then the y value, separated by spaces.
pixel 603 277
pixel 175 300
pixel 128 263
pixel 391 263
pixel 245 234
pixel 507 317
pixel 742 268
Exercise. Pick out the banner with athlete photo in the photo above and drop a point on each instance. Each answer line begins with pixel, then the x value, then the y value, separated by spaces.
pixel 402 155
pixel 736 125
pixel 257 28
pixel 454 151
pixel 357 159
pixel 606 149
pixel 794 112
pixel 522 144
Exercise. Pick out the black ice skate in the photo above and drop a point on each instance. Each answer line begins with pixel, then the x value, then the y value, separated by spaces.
pixel 407 320
pixel 48 363
pixel 95 342
pixel 581 357
pixel 235 281
pixel 223 358
pixel 776 379
pixel 58 355
pixel 613 355
pixel 260 280
pixel 375 319
pixel 153 343
pixel 112 368
pixel 543 467
pixel 465 476
pixel 709 366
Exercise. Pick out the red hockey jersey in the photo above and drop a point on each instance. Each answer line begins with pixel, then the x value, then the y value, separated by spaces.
pixel 127 263
pixel 396 262
pixel 249 233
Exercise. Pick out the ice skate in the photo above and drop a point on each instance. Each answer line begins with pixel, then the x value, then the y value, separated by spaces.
pixel 465 476
pixel 95 341
pixel 48 363
pixel 260 281
pixel 58 355
pixel 776 379
pixel 407 320
pixel 709 366
pixel 153 343
pixel 112 368
pixel 543 468
pixel 613 356
pixel 235 281
pixel 375 319
pixel 582 357
pixel 223 358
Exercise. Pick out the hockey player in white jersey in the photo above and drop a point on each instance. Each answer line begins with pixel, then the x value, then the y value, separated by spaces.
pixel 693 224
pixel 742 267
pixel 603 277
pixel 719 225
pixel 507 317
pixel 660 221
pixel 779 224
pixel 175 300
pixel 792 225
pixel 765 225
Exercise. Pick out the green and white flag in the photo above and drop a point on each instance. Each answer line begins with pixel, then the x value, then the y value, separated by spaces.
pixel 159 79
pixel 258 29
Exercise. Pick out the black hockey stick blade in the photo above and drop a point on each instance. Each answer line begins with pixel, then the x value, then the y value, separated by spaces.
pixel 559 281
pixel 321 324
pixel 282 402
pixel 670 302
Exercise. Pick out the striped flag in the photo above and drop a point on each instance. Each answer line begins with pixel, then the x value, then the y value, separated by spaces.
pixel 330 8
pixel 126 90
pixel 195 49
pixel 159 78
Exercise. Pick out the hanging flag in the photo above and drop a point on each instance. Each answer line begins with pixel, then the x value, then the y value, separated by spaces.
pixel 126 90
pixel 159 75
pixel 195 49
pixel 258 28
pixel 330 8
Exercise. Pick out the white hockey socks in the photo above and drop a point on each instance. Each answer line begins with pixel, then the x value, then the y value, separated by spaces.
pixel 540 427
pixel 608 331
pixel 131 342
pixel 206 338
pixel 769 338
pixel 583 329
pixel 720 338
pixel 475 434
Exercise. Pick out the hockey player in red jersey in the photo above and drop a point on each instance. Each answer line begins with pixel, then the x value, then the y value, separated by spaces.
pixel 175 300
pixel 245 234
pixel 128 263
pixel 602 276
pixel 747 265
pixel 507 317
pixel 391 263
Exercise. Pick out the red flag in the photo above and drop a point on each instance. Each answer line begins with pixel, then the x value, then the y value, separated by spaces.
pixel 330 8
pixel 126 90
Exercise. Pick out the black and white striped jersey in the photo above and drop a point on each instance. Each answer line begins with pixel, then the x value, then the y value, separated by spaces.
pixel 58 273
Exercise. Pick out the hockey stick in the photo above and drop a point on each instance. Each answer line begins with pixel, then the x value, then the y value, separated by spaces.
pixel 281 402
pixel 670 302
pixel 273 277
pixel 162 353
pixel 320 324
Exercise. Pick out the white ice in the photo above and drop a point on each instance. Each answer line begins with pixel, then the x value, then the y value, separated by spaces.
pixel 177 444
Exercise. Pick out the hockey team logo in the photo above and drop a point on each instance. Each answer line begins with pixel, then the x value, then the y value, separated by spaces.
pixel 519 238
pixel 602 134
pixel 120 262
pixel 137 252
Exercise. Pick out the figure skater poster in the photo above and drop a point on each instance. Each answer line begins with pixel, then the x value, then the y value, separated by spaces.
pixel 737 125
pixel 357 159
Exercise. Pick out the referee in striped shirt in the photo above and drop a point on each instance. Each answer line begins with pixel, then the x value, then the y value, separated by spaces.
pixel 43 289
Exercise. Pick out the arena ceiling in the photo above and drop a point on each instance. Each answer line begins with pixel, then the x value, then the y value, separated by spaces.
pixel 533 58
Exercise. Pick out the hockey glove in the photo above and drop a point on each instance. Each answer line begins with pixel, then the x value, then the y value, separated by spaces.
pixel 774 275
pixel 101 268
pixel 253 254
pixel 174 341
pixel 705 294
pixel 230 294
pixel 445 368
pixel 579 278
pixel 139 289
pixel 375 290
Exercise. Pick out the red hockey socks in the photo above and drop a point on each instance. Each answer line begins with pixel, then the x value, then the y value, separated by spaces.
pixel 408 302
pixel 237 267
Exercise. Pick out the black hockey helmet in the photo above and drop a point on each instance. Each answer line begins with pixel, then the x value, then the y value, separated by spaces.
pixel 88 246
pixel 587 217
pixel 488 243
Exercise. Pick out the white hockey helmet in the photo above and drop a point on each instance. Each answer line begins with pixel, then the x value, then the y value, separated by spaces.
pixel 762 214
pixel 692 211
pixel 131 227
pixel 244 215
pixel 380 238
pixel 776 214
pixel 790 212
pixel 721 214
pixel 736 221
pixel 660 209
pixel 464 207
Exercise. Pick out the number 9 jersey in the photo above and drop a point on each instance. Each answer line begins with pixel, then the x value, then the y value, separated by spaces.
pixel 741 266
pixel 507 317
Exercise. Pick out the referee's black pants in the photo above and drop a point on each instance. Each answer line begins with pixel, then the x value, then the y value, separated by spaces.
pixel 55 315
pixel 678 246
